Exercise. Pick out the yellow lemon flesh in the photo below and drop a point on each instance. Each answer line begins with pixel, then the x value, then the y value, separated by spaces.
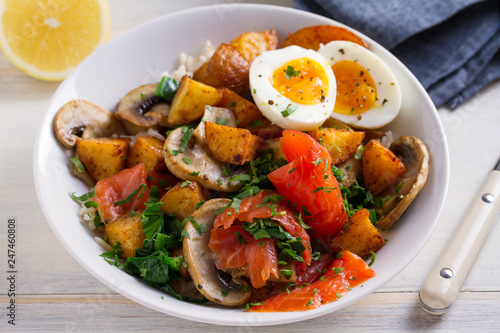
pixel 48 38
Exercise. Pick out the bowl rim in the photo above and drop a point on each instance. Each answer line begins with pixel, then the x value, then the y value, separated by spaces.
pixel 254 319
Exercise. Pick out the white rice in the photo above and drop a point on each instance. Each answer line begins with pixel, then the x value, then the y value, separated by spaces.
pixel 103 243
pixel 387 139
pixel 189 64
pixel 88 215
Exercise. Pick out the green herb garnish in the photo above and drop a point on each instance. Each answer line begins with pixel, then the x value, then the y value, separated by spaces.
pixel 291 72
pixel 291 108
pixel 78 164
pixel 167 88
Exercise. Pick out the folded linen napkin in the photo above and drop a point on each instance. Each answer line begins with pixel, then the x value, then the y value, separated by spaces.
pixel 451 46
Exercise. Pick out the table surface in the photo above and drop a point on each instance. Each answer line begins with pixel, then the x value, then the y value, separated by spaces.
pixel 54 293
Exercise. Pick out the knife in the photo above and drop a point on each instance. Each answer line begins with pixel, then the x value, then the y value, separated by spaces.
pixel 443 283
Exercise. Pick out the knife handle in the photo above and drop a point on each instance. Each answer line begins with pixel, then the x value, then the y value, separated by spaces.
pixel 443 283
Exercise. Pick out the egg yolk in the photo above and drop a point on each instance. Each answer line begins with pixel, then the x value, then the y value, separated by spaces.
pixel 301 80
pixel 356 90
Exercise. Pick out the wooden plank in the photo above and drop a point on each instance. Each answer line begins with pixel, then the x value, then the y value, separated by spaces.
pixel 378 312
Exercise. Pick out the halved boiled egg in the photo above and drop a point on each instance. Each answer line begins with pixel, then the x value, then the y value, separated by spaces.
pixel 293 87
pixel 368 93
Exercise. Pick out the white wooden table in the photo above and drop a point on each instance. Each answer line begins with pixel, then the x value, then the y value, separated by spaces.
pixel 54 293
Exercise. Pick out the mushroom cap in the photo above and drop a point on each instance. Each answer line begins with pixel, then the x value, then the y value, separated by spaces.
pixel 202 166
pixel 79 118
pixel 141 109
pixel 200 259
pixel 414 154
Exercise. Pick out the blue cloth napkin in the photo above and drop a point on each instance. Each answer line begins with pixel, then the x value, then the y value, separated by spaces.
pixel 451 46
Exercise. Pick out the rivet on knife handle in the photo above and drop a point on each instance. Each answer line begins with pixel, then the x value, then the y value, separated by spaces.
pixel 443 284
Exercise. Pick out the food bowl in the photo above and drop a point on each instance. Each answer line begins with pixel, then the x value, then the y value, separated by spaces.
pixel 139 57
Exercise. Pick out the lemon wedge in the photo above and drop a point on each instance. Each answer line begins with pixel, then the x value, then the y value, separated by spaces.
pixel 48 38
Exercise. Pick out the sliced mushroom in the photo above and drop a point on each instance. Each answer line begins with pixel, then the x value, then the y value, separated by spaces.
pixel 195 162
pixel 350 168
pixel 214 115
pixel 413 152
pixel 80 118
pixel 141 110
pixel 215 285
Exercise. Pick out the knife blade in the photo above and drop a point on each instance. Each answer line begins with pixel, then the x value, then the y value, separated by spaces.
pixel 445 279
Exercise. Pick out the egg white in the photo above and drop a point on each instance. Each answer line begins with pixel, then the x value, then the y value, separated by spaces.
pixel 306 116
pixel 388 101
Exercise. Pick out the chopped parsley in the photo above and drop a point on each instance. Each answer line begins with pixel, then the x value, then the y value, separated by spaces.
pixel 287 245
pixel 359 153
pixel 83 197
pixel 201 228
pixel 128 199
pixel 291 72
pixel 291 108
pixel 78 164
pixel 337 270
pixel 372 260
pixel 188 132
pixel 400 186
pixel 224 171
pixel 240 238
pixel 167 88
pixel 220 121
pixel 256 123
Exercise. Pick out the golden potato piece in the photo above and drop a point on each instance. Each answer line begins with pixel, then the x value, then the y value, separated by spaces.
pixel 252 44
pixel 380 167
pixel 275 146
pixel 227 68
pixel 312 37
pixel 231 145
pixel 147 150
pixel 181 199
pixel 189 101
pixel 103 157
pixel 340 143
pixel 246 111
pixel 265 129
pixel 230 63
pixel 358 236
pixel 128 231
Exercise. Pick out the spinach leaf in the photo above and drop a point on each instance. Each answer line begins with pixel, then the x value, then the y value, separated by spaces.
pixel 166 88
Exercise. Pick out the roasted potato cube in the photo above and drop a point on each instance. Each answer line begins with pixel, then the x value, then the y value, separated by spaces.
pixel 227 68
pixel 189 101
pixel 265 129
pixel 311 37
pixel 274 145
pixel 252 44
pixel 181 199
pixel 147 150
pixel 340 143
pixel 231 145
pixel 103 157
pixel 380 167
pixel 230 63
pixel 128 231
pixel 246 112
pixel 359 235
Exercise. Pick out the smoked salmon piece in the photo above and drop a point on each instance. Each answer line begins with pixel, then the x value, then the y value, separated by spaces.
pixel 236 247
pixel 117 188
pixel 343 274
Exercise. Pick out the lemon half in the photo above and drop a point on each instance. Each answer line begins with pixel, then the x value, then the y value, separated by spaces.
pixel 48 38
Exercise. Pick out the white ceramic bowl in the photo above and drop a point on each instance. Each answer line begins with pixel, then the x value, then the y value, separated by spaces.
pixel 138 57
